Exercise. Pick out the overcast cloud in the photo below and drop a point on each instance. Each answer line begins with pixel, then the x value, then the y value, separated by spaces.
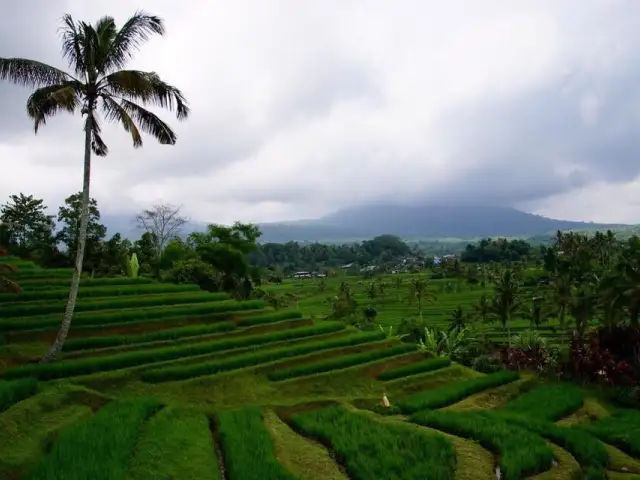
pixel 301 107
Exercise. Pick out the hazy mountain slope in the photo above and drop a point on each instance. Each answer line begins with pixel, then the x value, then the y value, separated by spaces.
pixel 463 222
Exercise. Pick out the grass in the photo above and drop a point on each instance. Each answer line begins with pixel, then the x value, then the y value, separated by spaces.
pixel 340 362
pixel 154 313
pixel 420 367
pixel 452 393
pixel 175 443
pixel 26 309
pixel 86 343
pixel 84 366
pixel 521 452
pixel 221 359
pixel 547 402
pixel 14 391
pixel 247 447
pixel 301 456
pixel 105 291
pixel 183 372
pixel 622 430
pixel 371 450
pixel 98 447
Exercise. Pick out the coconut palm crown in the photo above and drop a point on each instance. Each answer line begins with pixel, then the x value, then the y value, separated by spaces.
pixel 101 88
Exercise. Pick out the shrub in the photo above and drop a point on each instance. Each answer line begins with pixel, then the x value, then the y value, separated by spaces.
pixel 486 364
pixel 370 449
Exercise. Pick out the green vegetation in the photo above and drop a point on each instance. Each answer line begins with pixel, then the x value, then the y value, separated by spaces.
pixel 16 390
pixel 247 447
pixel 175 443
pixel 371 450
pixel 454 392
pixel 340 362
pixel 165 374
pixel 521 452
pixel 621 430
pixel 98 447
pixel 47 371
pixel 548 402
pixel 415 368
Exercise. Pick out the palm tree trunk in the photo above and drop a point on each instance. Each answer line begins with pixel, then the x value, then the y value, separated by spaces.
pixel 55 349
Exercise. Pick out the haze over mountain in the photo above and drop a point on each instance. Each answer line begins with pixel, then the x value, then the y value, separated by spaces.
pixel 406 221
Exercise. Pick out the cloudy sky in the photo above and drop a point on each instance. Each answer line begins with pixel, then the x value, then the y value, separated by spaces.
pixel 303 107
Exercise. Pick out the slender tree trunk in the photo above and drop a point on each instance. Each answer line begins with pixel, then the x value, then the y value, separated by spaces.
pixel 55 349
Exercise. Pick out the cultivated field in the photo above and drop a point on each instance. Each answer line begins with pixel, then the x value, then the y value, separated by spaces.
pixel 394 302
pixel 162 381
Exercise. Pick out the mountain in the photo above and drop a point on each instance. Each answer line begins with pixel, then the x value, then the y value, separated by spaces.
pixel 419 221
pixel 409 222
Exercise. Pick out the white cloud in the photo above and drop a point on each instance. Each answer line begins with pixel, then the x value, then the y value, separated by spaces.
pixel 300 108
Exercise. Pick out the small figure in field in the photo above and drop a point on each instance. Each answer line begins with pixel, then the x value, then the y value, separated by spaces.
pixel 385 401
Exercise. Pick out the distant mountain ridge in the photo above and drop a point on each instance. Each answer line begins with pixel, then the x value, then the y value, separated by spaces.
pixel 405 221
pixel 417 221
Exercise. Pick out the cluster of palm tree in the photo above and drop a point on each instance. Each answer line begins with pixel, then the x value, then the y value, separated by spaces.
pixel 587 281
pixel 100 87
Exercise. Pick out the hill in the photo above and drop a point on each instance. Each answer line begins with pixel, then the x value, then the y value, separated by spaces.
pixel 413 222
pixel 416 222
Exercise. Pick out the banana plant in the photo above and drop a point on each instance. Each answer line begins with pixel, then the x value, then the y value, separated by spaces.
pixel 133 267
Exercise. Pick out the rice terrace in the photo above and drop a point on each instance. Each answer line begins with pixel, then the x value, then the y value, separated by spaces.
pixel 160 380
pixel 214 352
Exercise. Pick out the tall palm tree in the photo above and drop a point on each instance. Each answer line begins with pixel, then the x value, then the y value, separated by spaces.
pixel 506 300
pixel 420 289
pixel 99 83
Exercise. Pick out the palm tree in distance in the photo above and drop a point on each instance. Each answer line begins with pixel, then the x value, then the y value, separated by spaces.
pixel 100 84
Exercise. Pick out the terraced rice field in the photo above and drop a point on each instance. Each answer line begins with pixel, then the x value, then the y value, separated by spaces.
pixel 162 381
pixel 394 304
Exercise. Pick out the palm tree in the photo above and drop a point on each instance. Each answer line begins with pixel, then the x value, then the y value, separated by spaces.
pixel 97 55
pixel 458 321
pixel 506 300
pixel 482 309
pixel 420 289
pixel 561 300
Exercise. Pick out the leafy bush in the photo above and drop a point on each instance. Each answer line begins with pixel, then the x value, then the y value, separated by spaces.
pixel 453 392
pixel 183 372
pixel 344 361
pixel 371 450
pixel 248 448
pixel 522 453
pixel 427 365
pixel 195 271
pixel 596 364
pixel 486 364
